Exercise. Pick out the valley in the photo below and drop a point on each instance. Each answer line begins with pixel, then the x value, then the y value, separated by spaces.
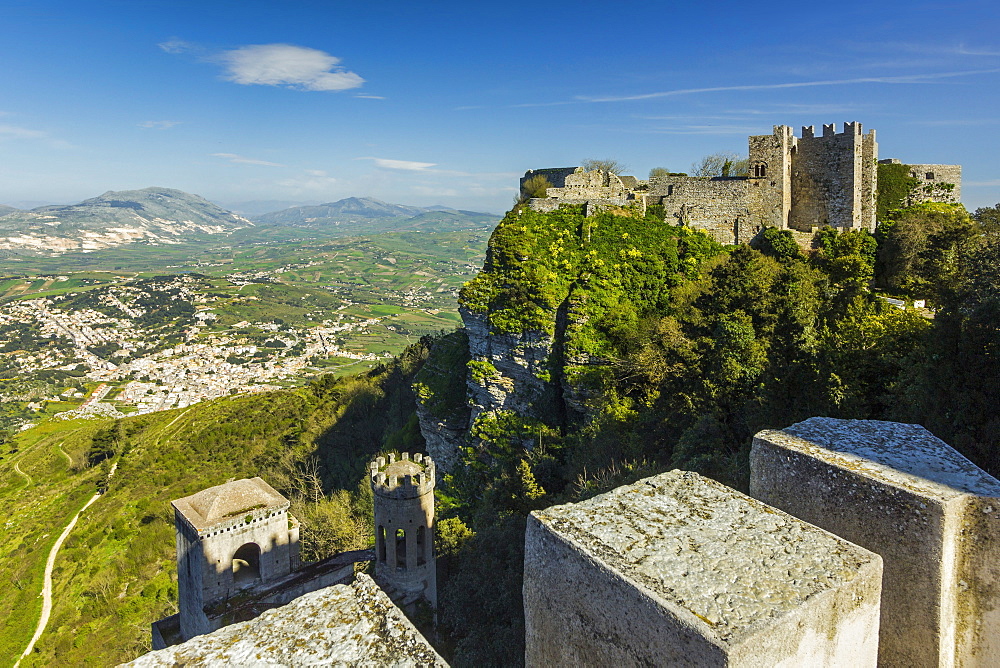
pixel 142 328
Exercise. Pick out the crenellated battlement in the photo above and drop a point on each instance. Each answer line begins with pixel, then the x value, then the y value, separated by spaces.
pixel 403 478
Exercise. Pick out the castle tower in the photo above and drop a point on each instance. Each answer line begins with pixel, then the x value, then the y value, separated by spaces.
pixel 834 179
pixel 230 538
pixel 404 527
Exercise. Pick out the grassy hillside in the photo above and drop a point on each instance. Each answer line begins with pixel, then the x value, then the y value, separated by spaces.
pixel 115 573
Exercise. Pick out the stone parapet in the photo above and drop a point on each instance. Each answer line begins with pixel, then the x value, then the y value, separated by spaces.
pixel 680 570
pixel 344 625
pixel 932 515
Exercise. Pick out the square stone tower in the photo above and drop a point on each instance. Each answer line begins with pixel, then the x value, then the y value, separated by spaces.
pixel 804 183
pixel 230 537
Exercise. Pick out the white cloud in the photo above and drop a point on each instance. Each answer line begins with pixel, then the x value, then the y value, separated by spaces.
pixel 405 165
pixel 177 46
pixel 242 160
pixel 159 125
pixel 904 79
pixel 287 65
pixel 370 97
pixel 313 182
pixel 15 132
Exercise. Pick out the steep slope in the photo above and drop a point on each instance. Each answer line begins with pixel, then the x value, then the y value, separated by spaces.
pixel 150 215
pixel 116 571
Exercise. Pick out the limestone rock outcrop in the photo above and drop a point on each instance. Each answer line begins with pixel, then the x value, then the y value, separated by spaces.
pixel 343 625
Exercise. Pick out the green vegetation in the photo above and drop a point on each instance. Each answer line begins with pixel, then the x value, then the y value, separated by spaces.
pixel 115 573
pixel 666 351
pixel 895 185
pixel 722 164
pixel 536 186
pixel 678 355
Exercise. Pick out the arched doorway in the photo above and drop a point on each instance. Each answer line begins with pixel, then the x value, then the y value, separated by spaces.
pixel 246 564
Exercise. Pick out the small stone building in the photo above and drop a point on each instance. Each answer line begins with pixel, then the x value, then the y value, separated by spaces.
pixel 237 556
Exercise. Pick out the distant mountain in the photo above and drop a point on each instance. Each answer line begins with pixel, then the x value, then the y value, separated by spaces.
pixel 261 206
pixel 4 209
pixel 365 215
pixel 150 216
pixel 352 209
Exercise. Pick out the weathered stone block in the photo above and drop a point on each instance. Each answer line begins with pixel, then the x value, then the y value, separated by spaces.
pixel 343 625
pixel 934 517
pixel 679 570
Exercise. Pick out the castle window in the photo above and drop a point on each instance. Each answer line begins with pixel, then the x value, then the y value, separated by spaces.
pixel 380 539
pixel 929 176
pixel 246 564
pixel 400 550
pixel 421 545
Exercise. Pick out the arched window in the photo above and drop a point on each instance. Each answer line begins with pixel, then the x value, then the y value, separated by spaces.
pixel 246 564
pixel 421 545
pixel 380 539
pixel 400 549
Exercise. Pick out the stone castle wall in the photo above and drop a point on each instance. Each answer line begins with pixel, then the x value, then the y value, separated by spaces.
pixel 794 183
pixel 717 205
pixel 938 183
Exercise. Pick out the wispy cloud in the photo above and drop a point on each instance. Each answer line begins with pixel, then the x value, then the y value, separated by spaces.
pixel 902 79
pixel 311 182
pixel 159 125
pixel 404 165
pixel 981 184
pixel 242 160
pixel 287 65
pixel 15 132
pixel 370 97
pixel 175 45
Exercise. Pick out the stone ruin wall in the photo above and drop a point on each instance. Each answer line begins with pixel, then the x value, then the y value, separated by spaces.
pixel 717 205
pixel 933 181
pixel 554 175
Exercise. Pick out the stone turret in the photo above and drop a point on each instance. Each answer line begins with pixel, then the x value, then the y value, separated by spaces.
pixel 403 491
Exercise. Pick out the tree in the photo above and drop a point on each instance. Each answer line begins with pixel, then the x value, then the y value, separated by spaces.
pixel 721 164
pixel 779 244
pixel 658 172
pixel 605 165
pixel 922 248
pixel 536 186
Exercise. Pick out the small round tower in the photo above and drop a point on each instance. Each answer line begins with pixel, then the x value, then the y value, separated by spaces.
pixel 403 490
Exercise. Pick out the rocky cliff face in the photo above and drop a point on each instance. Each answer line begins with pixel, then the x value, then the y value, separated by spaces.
pixel 507 372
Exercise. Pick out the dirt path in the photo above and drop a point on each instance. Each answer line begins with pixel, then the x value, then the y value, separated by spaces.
pixel 17 467
pixel 69 460
pixel 43 620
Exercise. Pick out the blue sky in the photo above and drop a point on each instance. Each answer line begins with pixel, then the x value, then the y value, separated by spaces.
pixel 448 103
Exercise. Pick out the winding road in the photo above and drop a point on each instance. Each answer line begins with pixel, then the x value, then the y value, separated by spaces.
pixel 43 620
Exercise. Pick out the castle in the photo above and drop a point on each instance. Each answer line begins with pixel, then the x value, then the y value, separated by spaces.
pixel 793 183
pixel 862 543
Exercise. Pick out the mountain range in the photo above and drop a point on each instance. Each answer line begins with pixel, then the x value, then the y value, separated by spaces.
pixel 154 216
pixel 150 215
